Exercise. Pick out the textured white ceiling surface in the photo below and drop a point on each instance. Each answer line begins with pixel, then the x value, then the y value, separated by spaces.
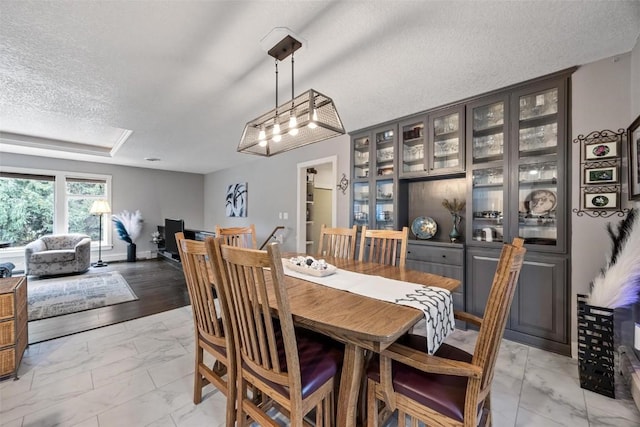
pixel 185 76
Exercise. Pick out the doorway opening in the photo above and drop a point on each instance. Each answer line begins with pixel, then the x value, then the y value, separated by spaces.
pixel 317 201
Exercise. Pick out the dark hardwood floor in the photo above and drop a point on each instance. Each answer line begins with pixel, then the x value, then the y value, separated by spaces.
pixel 158 283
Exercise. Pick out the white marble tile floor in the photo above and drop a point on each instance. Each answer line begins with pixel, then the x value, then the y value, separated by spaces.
pixel 140 373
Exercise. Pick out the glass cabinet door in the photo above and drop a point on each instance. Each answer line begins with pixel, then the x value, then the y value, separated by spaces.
pixel 385 214
pixel 361 203
pixel 384 151
pixel 361 150
pixel 487 204
pixel 537 202
pixel 446 141
pixel 488 132
pixel 539 153
pixel 412 147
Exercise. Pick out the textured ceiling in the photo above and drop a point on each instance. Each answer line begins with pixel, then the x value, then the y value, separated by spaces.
pixel 186 76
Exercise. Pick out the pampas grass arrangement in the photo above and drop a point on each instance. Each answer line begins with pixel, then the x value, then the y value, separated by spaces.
pixel 618 284
pixel 128 225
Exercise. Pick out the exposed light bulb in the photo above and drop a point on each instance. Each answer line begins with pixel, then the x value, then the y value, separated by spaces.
pixel 314 118
pixel 262 136
pixel 293 125
pixel 533 171
pixel 263 143
pixel 276 132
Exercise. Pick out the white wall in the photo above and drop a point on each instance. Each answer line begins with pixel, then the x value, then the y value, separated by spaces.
pixel 601 99
pixel 272 186
pixel 635 79
pixel 158 195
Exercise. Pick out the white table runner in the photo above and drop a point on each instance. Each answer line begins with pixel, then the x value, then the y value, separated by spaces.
pixel 436 303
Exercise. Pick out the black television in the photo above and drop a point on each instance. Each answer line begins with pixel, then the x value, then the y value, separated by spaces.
pixel 171 227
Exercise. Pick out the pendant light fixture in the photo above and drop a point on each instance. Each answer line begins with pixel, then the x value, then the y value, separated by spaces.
pixel 309 117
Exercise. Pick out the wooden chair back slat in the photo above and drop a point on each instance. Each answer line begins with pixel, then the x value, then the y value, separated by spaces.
pixel 497 310
pixel 243 237
pixel 337 242
pixel 207 317
pixel 381 246
pixel 246 278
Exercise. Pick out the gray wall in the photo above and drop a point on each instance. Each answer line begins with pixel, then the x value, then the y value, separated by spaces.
pixel 158 195
pixel 272 188
pixel 601 99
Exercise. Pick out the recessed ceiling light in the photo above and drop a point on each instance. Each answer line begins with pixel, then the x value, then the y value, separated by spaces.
pixel 152 159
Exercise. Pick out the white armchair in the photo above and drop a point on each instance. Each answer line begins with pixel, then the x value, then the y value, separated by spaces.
pixel 58 254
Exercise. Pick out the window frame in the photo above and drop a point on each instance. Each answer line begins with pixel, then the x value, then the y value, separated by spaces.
pixel 60 201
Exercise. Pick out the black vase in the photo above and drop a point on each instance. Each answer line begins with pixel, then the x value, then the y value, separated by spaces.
pixel 131 252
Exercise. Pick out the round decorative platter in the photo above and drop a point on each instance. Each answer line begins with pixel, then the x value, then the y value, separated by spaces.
pixel 424 227
pixel 541 202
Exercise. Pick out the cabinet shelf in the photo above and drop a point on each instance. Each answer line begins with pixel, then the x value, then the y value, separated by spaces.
pixel 491 130
pixel 361 148
pixel 487 159
pixel 540 182
pixel 446 156
pixel 385 162
pixel 445 135
pixel 538 121
pixel 413 142
pixel 384 143
pixel 539 151
pixel 413 162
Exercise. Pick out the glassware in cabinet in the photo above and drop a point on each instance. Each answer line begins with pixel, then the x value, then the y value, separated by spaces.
pixel 538 123
pixel 447 140
pixel 538 202
pixel 488 132
pixel 361 151
pixel 385 213
pixel 384 149
pixel 412 147
pixel 487 204
pixel 361 203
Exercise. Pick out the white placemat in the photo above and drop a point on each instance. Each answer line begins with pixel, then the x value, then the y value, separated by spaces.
pixel 436 303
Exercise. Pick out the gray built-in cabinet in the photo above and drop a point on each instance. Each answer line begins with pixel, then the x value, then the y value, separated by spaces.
pixel 506 154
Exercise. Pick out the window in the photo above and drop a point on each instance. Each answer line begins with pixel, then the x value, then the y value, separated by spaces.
pixel 35 203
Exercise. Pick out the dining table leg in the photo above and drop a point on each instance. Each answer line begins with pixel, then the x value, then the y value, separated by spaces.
pixel 350 380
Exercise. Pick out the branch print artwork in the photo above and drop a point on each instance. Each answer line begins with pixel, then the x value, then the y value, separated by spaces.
pixel 236 200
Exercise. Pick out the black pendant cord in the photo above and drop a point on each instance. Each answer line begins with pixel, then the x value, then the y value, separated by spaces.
pixel 292 80
pixel 276 87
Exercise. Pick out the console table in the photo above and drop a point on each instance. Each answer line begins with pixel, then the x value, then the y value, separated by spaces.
pixel 13 324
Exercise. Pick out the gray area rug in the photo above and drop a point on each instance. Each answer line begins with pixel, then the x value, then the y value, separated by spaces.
pixel 64 295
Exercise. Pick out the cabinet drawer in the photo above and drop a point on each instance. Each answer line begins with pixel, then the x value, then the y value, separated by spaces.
pixel 7 308
pixel 7 361
pixel 7 333
pixel 435 254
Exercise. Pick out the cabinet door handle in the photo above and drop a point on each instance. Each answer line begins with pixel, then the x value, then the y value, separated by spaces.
pixel 444 256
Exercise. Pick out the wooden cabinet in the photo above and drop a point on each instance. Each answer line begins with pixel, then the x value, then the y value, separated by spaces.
pixel 374 178
pixel 13 324
pixel 444 259
pixel 539 312
pixel 432 144
pixel 506 153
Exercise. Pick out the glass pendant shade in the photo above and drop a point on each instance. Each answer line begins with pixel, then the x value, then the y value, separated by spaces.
pixel 324 116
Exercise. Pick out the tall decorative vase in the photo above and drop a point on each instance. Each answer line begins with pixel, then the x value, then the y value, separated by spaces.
pixel 131 252
pixel 454 235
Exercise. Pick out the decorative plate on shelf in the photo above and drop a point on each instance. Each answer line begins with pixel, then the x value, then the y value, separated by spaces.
pixel 540 202
pixel 424 227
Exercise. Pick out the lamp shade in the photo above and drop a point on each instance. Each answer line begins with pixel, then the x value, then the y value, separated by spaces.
pixel 324 124
pixel 100 207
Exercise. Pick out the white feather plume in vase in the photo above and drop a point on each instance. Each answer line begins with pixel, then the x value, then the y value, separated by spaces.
pixel 618 284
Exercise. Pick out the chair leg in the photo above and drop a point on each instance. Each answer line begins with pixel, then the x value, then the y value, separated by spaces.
pixel 197 380
pixel 372 406
pixel 232 397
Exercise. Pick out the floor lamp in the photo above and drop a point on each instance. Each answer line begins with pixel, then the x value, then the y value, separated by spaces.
pixel 100 207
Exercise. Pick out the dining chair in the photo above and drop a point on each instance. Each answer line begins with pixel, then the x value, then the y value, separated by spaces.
pixel 452 387
pixel 381 246
pixel 244 237
pixel 338 242
pixel 211 323
pixel 295 370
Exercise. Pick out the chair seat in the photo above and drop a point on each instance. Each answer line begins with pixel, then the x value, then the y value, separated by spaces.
pixel 320 359
pixel 443 393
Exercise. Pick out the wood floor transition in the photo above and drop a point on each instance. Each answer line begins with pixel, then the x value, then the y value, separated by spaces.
pixel 158 283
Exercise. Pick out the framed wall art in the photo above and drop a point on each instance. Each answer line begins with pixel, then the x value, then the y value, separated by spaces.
pixel 633 141
pixel 601 201
pixel 236 200
pixel 601 150
pixel 606 175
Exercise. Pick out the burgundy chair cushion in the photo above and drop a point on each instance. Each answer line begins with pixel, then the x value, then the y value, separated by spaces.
pixel 443 393
pixel 320 359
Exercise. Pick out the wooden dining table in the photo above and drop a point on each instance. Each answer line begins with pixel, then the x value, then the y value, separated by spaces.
pixel 360 322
